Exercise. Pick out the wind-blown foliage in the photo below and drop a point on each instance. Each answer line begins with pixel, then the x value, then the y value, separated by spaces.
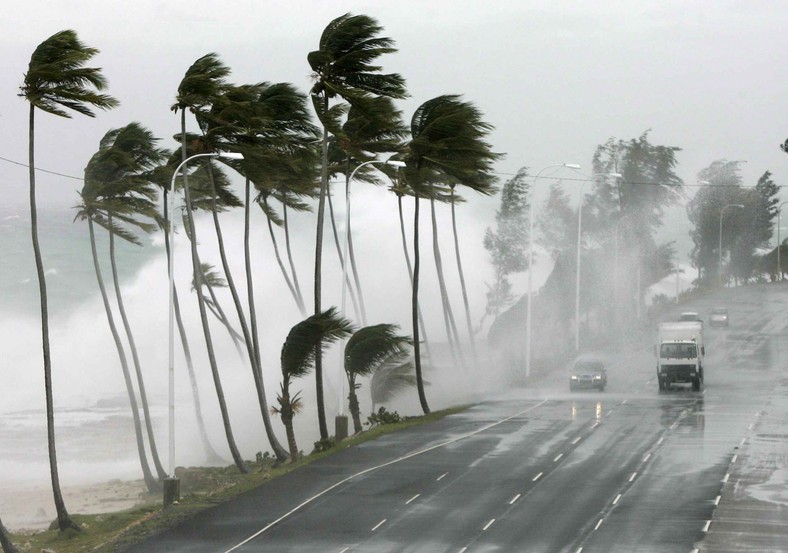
pixel 395 374
pixel 304 343
pixel 366 350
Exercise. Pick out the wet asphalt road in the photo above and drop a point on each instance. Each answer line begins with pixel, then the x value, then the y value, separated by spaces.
pixel 542 469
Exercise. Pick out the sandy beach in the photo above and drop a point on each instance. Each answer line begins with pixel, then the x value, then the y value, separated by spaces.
pixel 32 508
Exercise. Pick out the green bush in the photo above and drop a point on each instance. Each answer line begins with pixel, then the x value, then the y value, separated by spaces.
pixel 383 417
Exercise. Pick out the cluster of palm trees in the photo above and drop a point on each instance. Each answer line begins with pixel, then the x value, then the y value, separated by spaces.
pixel 287 163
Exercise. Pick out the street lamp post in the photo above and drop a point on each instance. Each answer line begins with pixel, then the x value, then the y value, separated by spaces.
pixel 722 211
pixel 531 262
pixel 779 245
pixel 171 488
pixel 341 422
pixel 577 263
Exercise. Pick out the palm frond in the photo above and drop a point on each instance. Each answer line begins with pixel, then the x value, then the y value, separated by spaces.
pixel 298 351
pixel 394 375
pixel 372 345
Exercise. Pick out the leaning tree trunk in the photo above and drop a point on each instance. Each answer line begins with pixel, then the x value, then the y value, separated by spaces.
pixel 5 540
pixel 462 280
pixel 448 314
pixel 286 412
pixel 150 481
pixel 162 474
pixel 351 256
pixel 410 274
pixel 299 301
pixel 196 270
pixel 290 257
pixel 355 409
pixel 359 311
pixel 321 209
pixel 257 364
pixel 63 519
pixel 415 310
pixel 210 452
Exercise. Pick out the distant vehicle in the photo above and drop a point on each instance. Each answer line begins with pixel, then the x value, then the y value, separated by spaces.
pixel 588 374
pixel 690 316
pixel 718 317
pixel 680 354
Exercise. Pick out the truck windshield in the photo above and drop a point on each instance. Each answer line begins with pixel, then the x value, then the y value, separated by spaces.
pixel 678 351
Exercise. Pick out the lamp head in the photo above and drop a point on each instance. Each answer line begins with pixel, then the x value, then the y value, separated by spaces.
pixel 231 155
pixel 572 165
pixel 395 163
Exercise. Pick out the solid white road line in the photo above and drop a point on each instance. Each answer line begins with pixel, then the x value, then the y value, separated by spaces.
pixel 537 477
pixel 515 498
pixel 558 457
pixel 441 477
pixel 386 464
pixel 379 524
pixel 631 478
pixel 412 498
pixel 486 526
pixel 616 499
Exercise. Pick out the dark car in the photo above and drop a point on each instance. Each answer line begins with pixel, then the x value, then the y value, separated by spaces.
pixel 718 317
pixel 588 374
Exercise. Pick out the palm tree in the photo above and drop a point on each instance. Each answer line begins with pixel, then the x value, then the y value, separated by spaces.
pixel 118 188
pixel 5 540
pixel 365 352
pixel 447 146
pixel 298 355
pixel 343 66
pixel 56 81
pixel 210 279
pixel 393 375
pixel 203 82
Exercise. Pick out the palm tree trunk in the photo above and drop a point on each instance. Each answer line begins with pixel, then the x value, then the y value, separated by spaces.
pixel 448 314
pixel 135 358
pixel 355 410
pixel 415 309
pixel 150 481
pixel 279 451
pixel 462 280
pixel 196 269
pixel 221 316
pixel 350 250
pixel 321 208
pixel 290 259
pixel 210 452
pixel 63 519
pixel 287 419
pixel 5 540
pixel 296 296
pixel 410 275
pixel 359 312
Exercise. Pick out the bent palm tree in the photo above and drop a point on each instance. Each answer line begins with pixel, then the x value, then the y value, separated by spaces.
pixel 56 81
pixel 447 146
pixel 297 358
pixel 394 374
pixel 365 352
pixel 343 66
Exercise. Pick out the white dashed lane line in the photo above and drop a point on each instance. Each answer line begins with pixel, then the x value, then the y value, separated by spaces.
pixel 615 501
pixel 409 501
pixel 558 457
pixel 379 524
pixel 515 498
pixel 537 477
pixel 486 526
pixel 634 475
pixel 441 477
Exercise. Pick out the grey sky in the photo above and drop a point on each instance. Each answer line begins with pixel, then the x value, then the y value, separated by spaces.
pixel 555 78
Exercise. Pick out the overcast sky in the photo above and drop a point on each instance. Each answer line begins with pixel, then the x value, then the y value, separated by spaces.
pixel 554 78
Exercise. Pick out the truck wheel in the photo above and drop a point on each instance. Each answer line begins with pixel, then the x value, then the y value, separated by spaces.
pixel 696 384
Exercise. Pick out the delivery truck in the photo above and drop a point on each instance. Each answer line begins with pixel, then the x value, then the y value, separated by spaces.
pixel 680 354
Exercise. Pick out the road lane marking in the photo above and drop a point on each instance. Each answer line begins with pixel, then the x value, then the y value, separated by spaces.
pixel 727 475
pixel 537 477
pixel 717 501
pixel 558 457
pixel 647 457
pixel 598 524
pixel 741 443
pixel 706 527
pixel 345 549
pixel 576 440
pixel 515 498
pixel 412 498
pixel 734 459
pixel 579 549
pixel 441 476
pixel 616 499
pixel 624 402
pixel 631 478
pixel 377 467
pixel 751 426
pixel 661 439
pixel 379 524
pixel 486 526
pixel 595 425
pixel 463 550
pixel 674 426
